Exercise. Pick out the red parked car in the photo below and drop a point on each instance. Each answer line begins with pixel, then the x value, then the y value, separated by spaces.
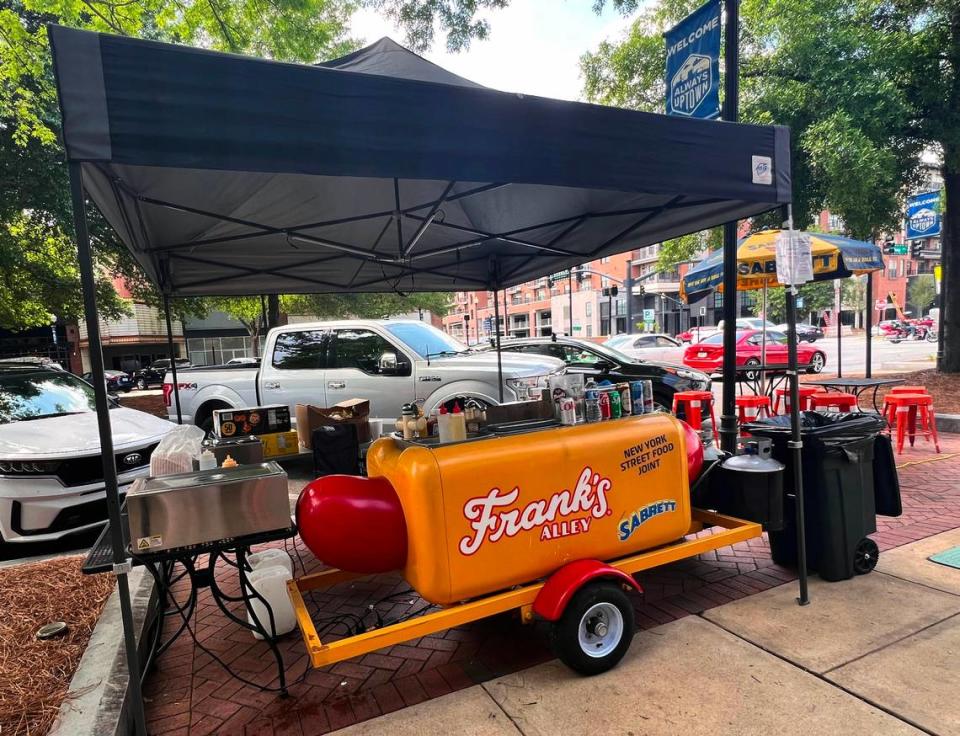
pixel 707 355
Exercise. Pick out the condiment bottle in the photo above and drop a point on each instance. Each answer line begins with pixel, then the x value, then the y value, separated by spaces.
pixel 458 424
pixel 208 461
pixel 408 417
pixel 443 424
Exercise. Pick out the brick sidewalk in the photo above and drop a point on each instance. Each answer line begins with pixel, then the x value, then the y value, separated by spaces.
pixel 189 693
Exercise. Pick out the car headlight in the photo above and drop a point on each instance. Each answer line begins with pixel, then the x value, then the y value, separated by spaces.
pixel 526 387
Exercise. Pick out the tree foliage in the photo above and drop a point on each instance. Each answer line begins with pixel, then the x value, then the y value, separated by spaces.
pixel 372 306
pixel 866 87
pixel 817 296
pixel 921 291
pixel 37 253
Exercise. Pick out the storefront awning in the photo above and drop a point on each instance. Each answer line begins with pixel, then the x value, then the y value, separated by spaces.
pixel 380 171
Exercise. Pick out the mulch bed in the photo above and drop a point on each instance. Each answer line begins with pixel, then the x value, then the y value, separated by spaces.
pixel 35 675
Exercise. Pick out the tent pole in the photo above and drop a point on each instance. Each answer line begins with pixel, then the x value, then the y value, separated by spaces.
pixel 869 325
pixel 796 444
pixel 763 343
pixel 796 440
pixel 496 319
pixel 838 308
pixel 121 563
pixel 728 416
pixel 173 357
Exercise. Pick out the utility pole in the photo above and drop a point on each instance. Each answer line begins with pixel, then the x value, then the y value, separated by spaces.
pixel 628 287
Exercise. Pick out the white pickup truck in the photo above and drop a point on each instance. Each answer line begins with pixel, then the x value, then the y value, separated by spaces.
pixel 388 362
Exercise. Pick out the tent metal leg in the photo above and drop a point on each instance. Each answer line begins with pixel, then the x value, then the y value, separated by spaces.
pixel 796 443
pixel 496 319
pixel 731 90
pixel 838 309
pixel 173 357
pixel 869 325
pixel 728 417
pixel 120 559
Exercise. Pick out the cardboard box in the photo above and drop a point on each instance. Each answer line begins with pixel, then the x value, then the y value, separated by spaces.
pixel 351 411
pixel 280 444
pixel 252 420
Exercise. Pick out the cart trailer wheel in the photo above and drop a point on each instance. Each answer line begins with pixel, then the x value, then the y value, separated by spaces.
pixel 865 556
pixel 595 630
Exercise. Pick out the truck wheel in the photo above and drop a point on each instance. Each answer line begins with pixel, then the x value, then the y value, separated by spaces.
pixel 595 630
pixel 865 556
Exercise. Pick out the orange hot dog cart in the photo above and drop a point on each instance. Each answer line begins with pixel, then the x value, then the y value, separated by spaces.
pixel 551 522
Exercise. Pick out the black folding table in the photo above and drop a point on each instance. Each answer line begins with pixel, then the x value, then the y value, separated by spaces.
pixel 200 574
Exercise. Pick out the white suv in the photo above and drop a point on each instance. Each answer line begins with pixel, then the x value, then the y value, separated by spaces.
pixel 51 473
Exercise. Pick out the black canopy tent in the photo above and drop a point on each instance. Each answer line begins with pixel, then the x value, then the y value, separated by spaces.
pixel 229 175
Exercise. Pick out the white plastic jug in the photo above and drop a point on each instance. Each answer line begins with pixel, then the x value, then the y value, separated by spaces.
pixel 269 558
pixel 271 583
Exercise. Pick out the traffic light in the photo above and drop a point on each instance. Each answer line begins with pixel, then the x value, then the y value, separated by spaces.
pixel 641 290
pixel 916 246
pixel 579 274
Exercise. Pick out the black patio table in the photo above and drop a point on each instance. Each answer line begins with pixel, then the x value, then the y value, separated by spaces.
pixel 858 386
pixel 199 574
pixel 749 378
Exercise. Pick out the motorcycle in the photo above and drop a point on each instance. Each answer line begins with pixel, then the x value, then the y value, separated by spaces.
pixel 913 330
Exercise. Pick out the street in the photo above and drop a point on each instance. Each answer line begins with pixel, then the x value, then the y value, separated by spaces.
pixel 887 357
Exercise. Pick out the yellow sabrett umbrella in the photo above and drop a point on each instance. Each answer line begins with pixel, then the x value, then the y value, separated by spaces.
pixel 834 257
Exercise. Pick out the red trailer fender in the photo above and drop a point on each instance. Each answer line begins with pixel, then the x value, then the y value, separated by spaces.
pixel 553 597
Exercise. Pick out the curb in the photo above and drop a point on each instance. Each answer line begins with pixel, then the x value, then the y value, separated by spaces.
pixel 948 423
pixel 96 703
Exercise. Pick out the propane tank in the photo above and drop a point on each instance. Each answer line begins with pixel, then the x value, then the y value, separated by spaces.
pixel 694 444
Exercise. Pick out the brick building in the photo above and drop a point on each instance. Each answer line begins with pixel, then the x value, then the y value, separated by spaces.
pixel 541 307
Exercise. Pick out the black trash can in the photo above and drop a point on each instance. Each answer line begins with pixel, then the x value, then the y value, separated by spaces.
pixel 839 491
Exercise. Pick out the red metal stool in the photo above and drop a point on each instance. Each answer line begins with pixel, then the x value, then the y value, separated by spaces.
pixel 693 403
pixel 909 390
pixel 905 408
pixel 752 407
pixel 843 402
pixel 783 397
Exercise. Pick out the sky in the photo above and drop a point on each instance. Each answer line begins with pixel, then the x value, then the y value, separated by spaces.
pixel 534 46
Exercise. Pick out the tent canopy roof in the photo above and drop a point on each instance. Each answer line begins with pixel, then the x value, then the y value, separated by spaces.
pixel 381 171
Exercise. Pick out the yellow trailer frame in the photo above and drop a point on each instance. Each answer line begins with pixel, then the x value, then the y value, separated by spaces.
pixel 324 653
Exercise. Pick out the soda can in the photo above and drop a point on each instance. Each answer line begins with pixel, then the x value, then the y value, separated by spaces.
pixel 626 405
pixel 636 397
pixel 568 411
pixel 648 397
pixel 616 410
pixel 603 399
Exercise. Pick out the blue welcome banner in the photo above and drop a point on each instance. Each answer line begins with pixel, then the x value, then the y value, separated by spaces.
pixel 693 64
pixel 923 216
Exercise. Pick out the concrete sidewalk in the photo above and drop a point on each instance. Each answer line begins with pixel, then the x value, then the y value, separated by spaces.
pixel 879 654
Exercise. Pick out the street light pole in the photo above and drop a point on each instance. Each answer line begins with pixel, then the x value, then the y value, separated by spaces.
pixel 628 287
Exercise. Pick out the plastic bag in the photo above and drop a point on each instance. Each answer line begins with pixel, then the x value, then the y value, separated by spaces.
pixel 176 451
pixel 822 424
